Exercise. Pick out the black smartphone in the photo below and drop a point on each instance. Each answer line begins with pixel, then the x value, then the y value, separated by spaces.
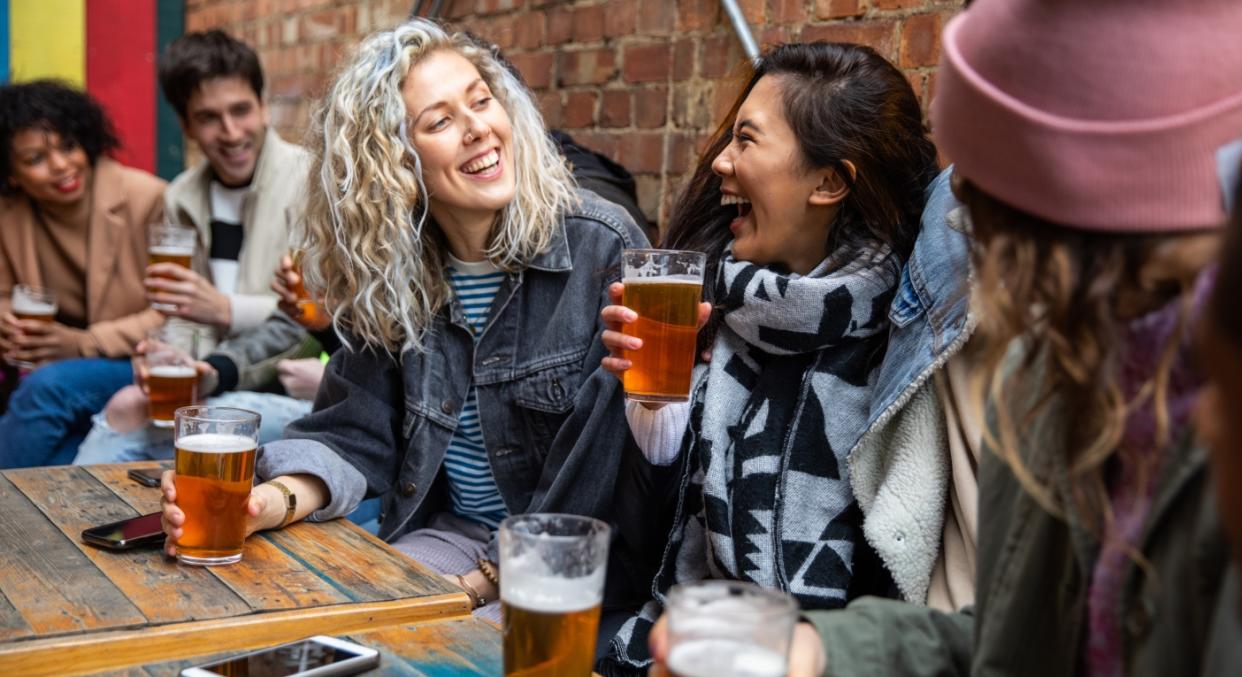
pixel 126 534
pixel 147 476
pixel 317 656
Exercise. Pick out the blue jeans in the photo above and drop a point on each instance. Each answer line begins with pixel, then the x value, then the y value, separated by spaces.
pixel 50 412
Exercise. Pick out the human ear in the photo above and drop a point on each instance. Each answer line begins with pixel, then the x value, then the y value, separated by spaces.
pixel 832 187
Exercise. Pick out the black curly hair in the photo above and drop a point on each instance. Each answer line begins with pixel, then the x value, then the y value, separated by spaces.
pixel 55 107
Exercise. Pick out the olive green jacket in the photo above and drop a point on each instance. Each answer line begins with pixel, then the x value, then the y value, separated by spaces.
pixel 1033 570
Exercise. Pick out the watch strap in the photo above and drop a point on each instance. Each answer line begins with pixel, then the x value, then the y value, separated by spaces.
pixel 291 502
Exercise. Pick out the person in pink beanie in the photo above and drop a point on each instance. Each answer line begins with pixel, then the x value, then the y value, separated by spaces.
pixel 1095 143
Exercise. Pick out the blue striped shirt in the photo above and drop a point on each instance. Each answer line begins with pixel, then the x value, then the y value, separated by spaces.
pixel 472 489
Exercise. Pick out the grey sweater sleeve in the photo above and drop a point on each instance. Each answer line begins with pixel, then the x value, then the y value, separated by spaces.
pixel 346 486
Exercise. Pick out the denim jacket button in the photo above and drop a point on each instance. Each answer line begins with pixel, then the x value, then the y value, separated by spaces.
pixel 556 390
pixel 408 489
pixel 447 406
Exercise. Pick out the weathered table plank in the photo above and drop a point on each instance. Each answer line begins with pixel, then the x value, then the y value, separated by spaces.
pixel 12 625
pixel 93 652
pixel 161 589
pixel 270 580
pixel 54 586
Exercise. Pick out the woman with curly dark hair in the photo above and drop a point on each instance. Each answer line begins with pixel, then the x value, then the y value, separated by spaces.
pixel 72 220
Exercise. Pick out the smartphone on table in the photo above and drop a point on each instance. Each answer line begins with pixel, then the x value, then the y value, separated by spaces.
pixel 146 476
pixel 126 534
pixel 317 656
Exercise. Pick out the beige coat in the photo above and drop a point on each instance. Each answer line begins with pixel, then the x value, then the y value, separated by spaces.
pixel 124 201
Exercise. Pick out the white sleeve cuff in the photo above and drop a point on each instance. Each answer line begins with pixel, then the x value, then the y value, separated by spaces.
pixel 658 432
pixel 249 311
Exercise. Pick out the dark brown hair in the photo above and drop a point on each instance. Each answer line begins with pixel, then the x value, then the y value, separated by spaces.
pixel 195 57
pixel 843 102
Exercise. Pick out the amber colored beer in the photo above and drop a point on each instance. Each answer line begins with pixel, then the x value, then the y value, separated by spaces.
pixel 175 255
pixel 47 314
pixel 214 476
pixel 552 643
pixel 309 310
pixel 170 387
pixel 668 313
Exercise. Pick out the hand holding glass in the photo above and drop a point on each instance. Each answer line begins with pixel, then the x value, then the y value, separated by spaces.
pixel 168 367
pixel 215 449
pixel 729 628
pixel 32 303
pixel 169 242
pixel 663 287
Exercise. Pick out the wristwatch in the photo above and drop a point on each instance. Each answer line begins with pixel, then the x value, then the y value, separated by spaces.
pixel 291 502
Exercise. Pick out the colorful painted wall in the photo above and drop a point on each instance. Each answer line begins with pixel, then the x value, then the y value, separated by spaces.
pixel 107 47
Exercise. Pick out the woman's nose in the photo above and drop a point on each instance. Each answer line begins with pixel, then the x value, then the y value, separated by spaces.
pixel 723 164
pixel 476 128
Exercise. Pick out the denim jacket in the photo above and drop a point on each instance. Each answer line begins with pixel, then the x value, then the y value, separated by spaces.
pixel 899 467
pixel 382 422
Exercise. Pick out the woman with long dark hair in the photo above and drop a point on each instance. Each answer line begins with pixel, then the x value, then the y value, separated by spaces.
pixel 807 203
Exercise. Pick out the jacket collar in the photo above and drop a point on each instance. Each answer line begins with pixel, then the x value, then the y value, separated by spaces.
pixel 197 202
pixel 555 257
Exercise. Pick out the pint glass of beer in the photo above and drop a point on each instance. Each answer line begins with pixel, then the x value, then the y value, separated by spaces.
pixel 215 470
pixel 169 242
pixel 309 309
pixel 32 303
pixel 551 588
pixel 729 628
pixel 664 288
pixel 172 381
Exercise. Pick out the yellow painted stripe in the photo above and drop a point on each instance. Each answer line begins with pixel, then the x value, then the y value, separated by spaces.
pixel 48 40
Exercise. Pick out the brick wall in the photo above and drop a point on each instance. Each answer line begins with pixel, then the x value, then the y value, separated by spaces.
pixel 643 81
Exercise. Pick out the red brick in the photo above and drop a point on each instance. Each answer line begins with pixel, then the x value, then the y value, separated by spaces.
pixel 773 35
pixel 536 68
pixel 876 34
pixel 589 24
pixel 579 110
pixel 694 15
pixel 720 55
pixel 651 107
pixel 499 30
pixel 643 152
pixel 646 63
pixel 319 26
pixel 620 17
pixel 754 11
pixel 656 17
pixel 528 30
pixel 788 11
pixel 560 26
pixel 690 108
pixel 586 67
pixel 682 153
pixel 898 4
pixel 550 106
pixel 683 59
pixel 604 143
pixel 920 41
pixel 615 109
pixel 837 9
pixel 349 20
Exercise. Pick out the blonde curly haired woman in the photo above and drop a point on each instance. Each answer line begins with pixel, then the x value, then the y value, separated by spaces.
pixel 464 272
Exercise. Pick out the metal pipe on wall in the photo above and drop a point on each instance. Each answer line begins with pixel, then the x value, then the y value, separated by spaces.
pixel 742 29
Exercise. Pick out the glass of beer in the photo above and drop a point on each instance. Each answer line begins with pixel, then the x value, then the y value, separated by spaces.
pixel 551 589
pixel 171 379
pixel 664 288
pixel 215 471
pixel 729 628
pixel 309 310
pixel 169 242
pixel 32 303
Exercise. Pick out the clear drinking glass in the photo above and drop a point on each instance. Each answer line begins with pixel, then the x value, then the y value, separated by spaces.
pixel 169 242
pixel 215 471
pixel 664 288
pixel 32 303
pixel 551 589
pixel 168 366
pixel 721 628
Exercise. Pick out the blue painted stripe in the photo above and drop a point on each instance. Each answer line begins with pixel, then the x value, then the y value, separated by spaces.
pixel 4 40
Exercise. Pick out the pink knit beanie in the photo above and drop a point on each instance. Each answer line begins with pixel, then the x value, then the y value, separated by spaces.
pixel 1109 115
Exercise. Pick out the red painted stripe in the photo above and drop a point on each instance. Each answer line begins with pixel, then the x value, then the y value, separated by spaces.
pixel 120 72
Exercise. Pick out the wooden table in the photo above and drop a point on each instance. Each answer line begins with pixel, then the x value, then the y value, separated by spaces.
pixel 464 646
pixel 70 608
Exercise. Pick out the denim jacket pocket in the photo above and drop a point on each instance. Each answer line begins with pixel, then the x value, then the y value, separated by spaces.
pixel 907 303
pixel 545 399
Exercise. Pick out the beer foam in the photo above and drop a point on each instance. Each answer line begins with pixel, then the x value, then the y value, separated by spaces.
pixel 170 250
pixel 664 279
pixel 551 594
pixel 215 443
pixel 29 306
pixel 715 657
pixel 173 371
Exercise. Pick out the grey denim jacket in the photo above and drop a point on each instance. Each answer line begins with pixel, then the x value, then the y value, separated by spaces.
pixel 381 422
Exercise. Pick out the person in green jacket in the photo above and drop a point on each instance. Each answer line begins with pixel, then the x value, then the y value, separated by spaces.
pixel 1094 144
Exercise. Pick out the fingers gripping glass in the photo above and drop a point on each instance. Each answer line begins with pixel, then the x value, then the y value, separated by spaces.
pixel 664 288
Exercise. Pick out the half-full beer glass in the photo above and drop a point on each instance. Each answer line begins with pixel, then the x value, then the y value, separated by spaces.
pixel 32 303
pixel 551 588
pixel 215 471
pixel 664 288
pixel 729 628
pixel 168 363
pixel 169 242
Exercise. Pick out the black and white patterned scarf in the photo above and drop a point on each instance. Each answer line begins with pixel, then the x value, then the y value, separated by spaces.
pixel 766 495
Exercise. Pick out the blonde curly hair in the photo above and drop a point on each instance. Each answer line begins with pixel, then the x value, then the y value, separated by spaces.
pixel 371 252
